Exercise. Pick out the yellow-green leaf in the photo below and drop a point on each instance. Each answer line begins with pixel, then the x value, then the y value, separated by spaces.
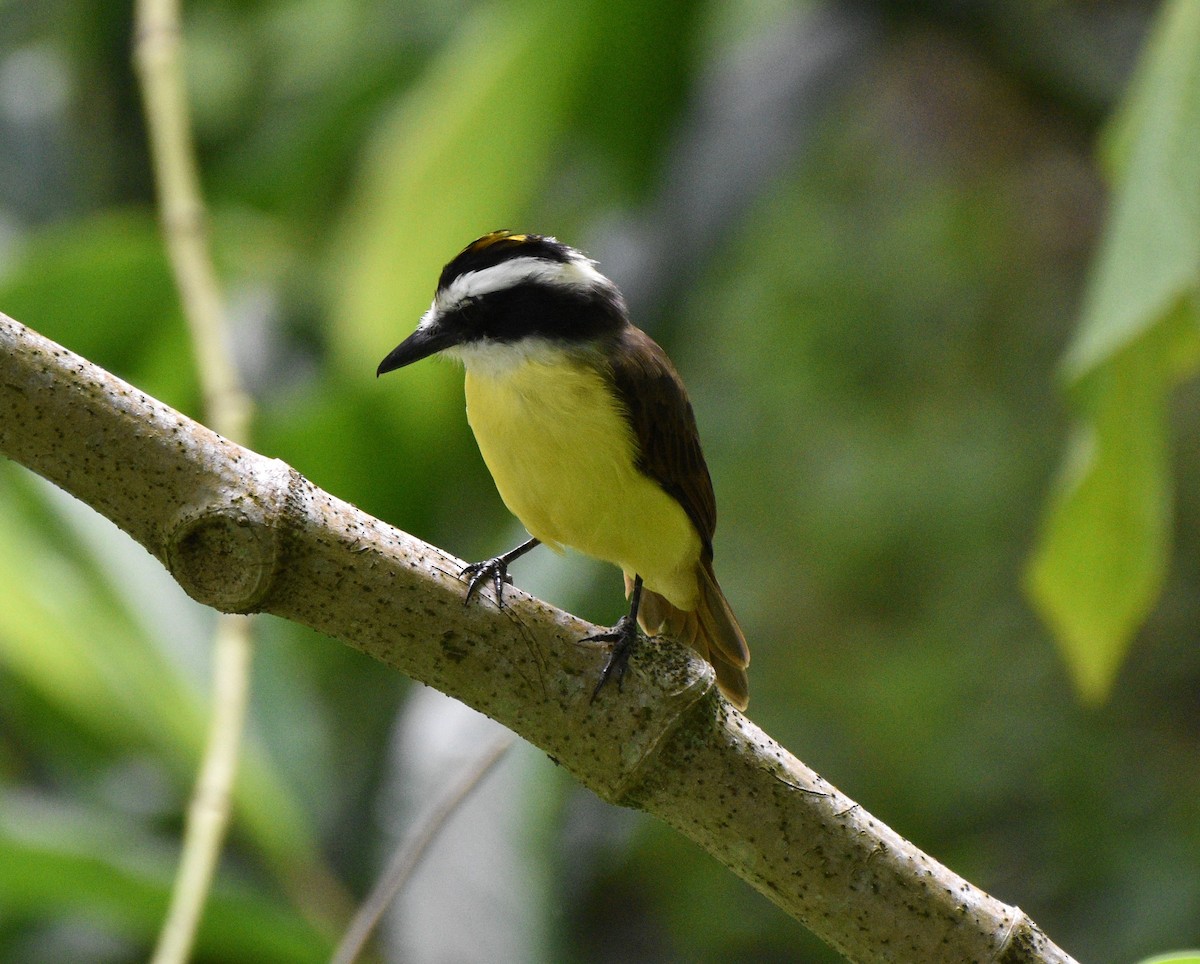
pixel 1102 556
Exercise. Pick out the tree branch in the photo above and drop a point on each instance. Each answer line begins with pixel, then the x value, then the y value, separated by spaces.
pixel 244 533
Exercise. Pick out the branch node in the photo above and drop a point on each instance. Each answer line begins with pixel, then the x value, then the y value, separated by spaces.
pixel 224 557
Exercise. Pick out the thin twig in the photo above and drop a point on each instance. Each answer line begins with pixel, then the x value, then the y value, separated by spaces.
pixel 158 58
pixel 414 846
pixel 208 811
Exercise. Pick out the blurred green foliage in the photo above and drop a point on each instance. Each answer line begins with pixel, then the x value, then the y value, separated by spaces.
pixel 864 232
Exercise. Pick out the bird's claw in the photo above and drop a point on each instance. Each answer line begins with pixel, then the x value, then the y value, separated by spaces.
pixel 624 638
pixel 477 573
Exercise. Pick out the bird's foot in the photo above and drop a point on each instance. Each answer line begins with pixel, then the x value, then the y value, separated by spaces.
pixel 478 573
pixel 624 637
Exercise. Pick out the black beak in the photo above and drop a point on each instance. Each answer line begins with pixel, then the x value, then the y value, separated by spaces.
pixel 420 344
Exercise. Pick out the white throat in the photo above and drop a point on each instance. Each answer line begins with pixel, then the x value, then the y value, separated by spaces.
pixel 497 359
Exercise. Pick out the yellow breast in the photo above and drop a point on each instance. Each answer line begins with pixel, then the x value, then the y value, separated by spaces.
pixel 562 455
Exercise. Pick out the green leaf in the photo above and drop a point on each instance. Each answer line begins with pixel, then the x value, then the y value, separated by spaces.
pixel 1150 255
pixel 463 154
pixel 58 862
pixel 1102 556
pixel 66 636
pixel 101 286
pixel 1175 957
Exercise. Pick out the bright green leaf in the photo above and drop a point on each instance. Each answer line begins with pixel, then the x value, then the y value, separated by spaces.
pixel 1099 567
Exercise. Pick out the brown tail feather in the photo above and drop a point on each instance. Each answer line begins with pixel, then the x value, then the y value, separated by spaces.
pixel 712 630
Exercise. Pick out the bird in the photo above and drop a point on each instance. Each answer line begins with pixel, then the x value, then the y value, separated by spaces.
pixel 589 435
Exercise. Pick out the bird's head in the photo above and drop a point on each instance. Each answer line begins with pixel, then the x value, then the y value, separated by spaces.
pixel 506 295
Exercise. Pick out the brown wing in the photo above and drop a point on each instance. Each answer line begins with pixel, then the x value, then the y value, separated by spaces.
pixel 661 416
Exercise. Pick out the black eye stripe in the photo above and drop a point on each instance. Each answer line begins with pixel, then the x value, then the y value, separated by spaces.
pixel 545 311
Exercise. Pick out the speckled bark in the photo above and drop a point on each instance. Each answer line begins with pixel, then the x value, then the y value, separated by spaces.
pixel 244 533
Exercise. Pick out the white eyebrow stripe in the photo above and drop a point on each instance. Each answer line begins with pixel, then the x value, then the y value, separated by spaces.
pixel 575 273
